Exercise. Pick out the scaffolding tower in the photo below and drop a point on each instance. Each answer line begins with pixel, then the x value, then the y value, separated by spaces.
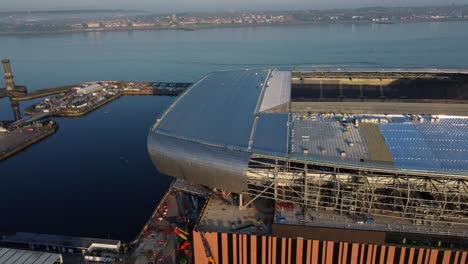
pixel 418 198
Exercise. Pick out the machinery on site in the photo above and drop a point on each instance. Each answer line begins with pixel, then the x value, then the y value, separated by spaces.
pixel 383 151
pixel 209 254
pixel 184 246
pixel 11 90
pixel 181 233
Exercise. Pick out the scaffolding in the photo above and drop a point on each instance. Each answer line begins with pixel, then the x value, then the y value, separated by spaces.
pixel 418 198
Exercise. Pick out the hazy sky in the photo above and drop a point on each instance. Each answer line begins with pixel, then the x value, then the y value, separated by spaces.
pixel 211 5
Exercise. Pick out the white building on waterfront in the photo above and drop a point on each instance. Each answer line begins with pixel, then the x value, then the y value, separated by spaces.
pixel 92 88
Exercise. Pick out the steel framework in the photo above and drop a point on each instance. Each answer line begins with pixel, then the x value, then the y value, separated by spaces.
pixel 419 198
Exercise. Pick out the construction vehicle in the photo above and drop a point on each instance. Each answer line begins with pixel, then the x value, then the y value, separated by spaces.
pixel 181 233
pixel 183 245
pixel 209 255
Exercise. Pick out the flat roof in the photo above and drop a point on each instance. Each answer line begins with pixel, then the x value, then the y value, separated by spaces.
pixel 278 90
pixel 18 256
pixel 442 145
pixel 57 240
pixel 433 144
pixel 271 133
pixel 222 215
pixel 327 138
pixel 92 86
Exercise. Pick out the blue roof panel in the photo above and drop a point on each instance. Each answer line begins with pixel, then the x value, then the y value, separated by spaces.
pixel 441 146
pixel 272 133
pixel 219 109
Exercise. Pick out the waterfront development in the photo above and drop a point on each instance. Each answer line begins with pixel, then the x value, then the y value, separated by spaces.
pixel 73 21
pixel 16 139
pixel 82 99
pixel 305 138
pixel 21 132
pixel 102 196
pixel 72 101
pixel 296 184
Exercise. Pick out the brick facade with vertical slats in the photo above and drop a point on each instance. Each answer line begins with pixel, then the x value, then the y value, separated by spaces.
pixel 245 249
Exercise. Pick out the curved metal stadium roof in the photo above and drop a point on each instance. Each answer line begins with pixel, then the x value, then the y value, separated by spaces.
pixel 210 133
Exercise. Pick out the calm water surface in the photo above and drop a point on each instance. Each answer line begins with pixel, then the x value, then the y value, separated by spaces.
pixel 94 177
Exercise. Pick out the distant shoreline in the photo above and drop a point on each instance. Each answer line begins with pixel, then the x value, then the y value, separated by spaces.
pixel 200 27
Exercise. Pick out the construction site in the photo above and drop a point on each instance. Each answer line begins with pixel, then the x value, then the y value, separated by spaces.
pixel 277 166
pixel 323 166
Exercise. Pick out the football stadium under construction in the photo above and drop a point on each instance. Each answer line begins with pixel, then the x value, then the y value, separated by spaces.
pixel 379 152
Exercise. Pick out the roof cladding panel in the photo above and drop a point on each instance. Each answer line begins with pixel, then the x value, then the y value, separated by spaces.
pixel 316 136
pixel 20 256
pixel 220 109
pixel 278 91
pixel 439 146
pixel 199 163
pixel 271 134
pixel 210 133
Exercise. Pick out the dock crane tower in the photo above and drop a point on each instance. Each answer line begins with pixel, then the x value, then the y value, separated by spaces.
pixel 11 90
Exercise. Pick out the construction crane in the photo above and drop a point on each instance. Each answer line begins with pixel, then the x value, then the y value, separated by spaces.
pixel 209 255
pixel 12 90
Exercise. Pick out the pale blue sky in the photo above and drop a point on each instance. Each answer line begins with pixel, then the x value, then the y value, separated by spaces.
pixel 211 5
